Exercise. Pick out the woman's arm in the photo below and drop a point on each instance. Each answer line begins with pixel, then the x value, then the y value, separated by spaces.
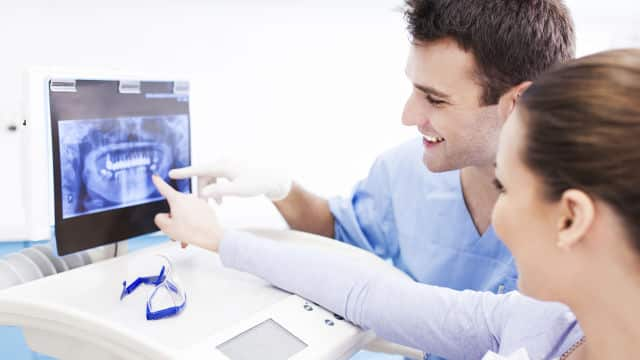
pixel 453 324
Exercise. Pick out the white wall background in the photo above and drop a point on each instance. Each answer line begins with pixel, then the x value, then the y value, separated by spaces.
pixel 316 87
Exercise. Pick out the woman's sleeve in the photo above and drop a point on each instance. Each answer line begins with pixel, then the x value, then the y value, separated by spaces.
pixel 441 321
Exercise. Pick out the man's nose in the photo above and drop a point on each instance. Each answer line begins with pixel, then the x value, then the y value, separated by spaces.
pixel 413 114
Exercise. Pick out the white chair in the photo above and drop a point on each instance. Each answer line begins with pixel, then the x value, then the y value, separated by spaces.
pixel 8 275
pixel 43 263
pixel 73 260
pixel 24 266
pixel 58 264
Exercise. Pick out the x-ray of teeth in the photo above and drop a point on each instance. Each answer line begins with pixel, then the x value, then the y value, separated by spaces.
pixel 108 163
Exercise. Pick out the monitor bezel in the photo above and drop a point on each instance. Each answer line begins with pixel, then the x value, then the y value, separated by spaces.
pixel 83 232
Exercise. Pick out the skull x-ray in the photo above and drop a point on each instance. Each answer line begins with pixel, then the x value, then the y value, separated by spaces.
pixel 107 163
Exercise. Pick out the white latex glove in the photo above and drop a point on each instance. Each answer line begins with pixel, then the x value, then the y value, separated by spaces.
pixel 243 180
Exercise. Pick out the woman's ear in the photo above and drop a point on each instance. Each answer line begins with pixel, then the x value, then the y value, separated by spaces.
pixel 509 100
pixel 576 217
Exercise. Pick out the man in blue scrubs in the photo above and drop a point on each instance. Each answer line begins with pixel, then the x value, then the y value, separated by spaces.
pixel 426 204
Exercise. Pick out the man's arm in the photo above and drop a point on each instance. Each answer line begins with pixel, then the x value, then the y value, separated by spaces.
pixel 363 220
pixel 305 211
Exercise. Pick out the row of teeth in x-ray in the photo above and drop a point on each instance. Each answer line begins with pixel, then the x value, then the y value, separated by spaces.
pixel 117 163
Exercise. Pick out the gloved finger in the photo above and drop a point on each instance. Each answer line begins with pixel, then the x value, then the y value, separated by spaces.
pixel 202 185
pixel 165 189
pixel 162 221
pixel 204 182
pixel 216 199
pixel 218 190
pixel 220 169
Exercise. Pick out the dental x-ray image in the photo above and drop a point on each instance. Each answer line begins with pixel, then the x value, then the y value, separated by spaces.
pixel 108 163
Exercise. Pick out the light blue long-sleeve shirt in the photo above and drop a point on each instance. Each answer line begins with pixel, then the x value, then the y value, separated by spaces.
pixel 420 221
pixel 452 324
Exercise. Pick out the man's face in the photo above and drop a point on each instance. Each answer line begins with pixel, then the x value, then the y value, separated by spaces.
pixel 445 106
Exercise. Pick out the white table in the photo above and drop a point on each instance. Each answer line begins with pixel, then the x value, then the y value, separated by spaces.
pixel 78 314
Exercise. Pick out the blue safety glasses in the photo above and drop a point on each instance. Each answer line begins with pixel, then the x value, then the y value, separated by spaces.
pixel 167 299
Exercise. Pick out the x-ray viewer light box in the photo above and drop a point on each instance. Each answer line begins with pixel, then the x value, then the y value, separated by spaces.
pixel 105 137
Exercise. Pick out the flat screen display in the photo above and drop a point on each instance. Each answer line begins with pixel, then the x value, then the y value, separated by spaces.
pixel 106 164
pixel 106 146
pixel 266 341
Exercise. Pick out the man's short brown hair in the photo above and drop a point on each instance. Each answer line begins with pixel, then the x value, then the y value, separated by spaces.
pixel 512 41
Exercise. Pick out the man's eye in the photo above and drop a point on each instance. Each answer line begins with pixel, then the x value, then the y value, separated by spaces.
pixel 435 101
pixel 498 186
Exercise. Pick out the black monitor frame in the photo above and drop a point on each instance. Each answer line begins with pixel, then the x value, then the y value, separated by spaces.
pixel 73 234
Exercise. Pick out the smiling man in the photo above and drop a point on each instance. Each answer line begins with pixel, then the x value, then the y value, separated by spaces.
pixel 426 204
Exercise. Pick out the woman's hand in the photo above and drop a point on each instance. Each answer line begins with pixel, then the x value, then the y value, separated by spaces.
pixel 190 220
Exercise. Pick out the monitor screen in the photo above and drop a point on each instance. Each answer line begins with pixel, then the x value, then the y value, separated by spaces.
pixel 106 164
pixel 107 142
pixel 267 341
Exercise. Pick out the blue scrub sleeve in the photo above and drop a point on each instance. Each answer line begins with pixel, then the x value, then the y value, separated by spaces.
pixel 453 324
pixel 366 219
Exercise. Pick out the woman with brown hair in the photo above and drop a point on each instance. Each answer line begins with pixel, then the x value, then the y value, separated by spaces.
pixel 569 211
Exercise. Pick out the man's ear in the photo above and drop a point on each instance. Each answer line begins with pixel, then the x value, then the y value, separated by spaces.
pixel 508 101
pixel 577 214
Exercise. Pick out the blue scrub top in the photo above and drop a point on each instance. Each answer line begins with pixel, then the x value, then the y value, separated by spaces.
pixel 419 220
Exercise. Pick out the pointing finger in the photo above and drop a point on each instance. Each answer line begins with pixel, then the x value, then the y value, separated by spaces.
pixel 162 221
pixel 220 169
pixel 165 189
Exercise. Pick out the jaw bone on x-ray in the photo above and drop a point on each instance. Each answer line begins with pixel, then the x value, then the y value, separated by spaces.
pixel 108 163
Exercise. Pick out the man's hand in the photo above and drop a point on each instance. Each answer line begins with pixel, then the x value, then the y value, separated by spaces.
pixel 301 209
pixel 243 181
pixel 190 220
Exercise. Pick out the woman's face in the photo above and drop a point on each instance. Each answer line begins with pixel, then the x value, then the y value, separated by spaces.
pixel 523 218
